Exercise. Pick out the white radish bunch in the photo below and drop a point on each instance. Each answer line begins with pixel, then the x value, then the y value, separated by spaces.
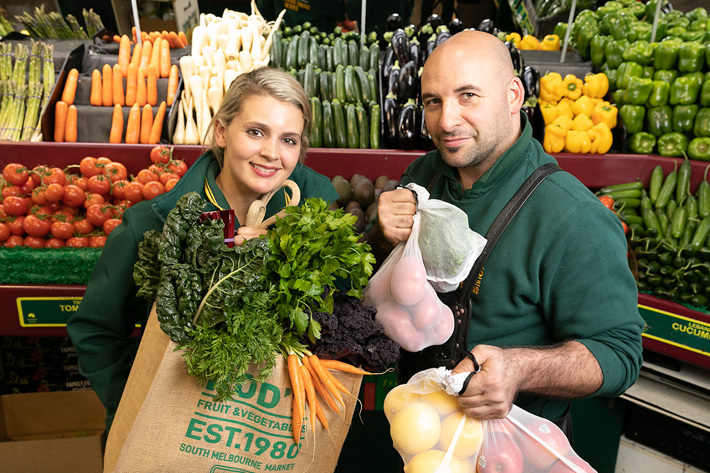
pixel 222 48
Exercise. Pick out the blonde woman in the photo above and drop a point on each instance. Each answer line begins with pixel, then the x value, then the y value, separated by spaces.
pixel 258 139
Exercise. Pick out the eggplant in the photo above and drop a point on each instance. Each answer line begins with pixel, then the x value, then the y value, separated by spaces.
pixel 415 52
pixel 408 82
pixel 390 111
pixel 394 22
pixel 531 81
pixel 407 126
pixel 434 20
pixel 515 57
pixel 441 36
pixel 393 79
pixel 486 25
pixel 455 26
pixel 411 31
pixel 424 33
pixel 425 140
pixel 387 63
pixel 430 45
pixel 400 46
pixel 537 121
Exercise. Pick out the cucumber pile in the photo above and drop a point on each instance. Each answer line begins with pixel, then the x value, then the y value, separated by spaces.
pixel 339 74
pixel 668 230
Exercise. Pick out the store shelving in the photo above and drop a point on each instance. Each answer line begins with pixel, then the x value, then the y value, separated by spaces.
pixel 594 171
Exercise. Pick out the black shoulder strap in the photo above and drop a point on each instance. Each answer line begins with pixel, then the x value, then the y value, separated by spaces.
pixel 501 223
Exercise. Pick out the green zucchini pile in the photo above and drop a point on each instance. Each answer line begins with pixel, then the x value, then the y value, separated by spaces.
pixel 668 230
pixel 339 74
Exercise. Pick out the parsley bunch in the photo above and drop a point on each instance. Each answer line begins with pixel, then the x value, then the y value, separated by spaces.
pixel 313 251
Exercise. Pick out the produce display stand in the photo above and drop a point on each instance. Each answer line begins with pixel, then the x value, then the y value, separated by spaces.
pixel 42 310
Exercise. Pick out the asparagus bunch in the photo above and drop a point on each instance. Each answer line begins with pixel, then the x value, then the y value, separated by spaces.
pixel 5 26
pixel 92 21
pixel 51 25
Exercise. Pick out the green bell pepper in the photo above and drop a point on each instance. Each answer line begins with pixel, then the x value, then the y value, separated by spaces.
pixel 611 76
pixel 632 117
pixel 697 14
pixel 693 36
pixel 620 27
pixel 596 49
pixel 699 148
pixel 701 24
pixel 619 97
pixel 560 30
pixel 672 145
pixel 638 90
pixel 626 71
pixel 698 77
pixel 644 31
pixel 667 76
pixel 666 54
pixel 690 56
pixel 583 35
pixel 638 9
pixel 704 94
pixel 609 7
pixel 648 72
pixel 641 143
pixel 614 51
pixel 702 123
pixel 684 117
pixel 658 120
pixel 684 91
pixel 659 94
pixel 676 31
pixel 639 52
pixel 679 20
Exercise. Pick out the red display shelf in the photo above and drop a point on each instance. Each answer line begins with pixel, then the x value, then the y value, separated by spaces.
pixel 594 171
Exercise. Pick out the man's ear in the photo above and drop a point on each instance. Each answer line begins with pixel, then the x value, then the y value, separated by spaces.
pixel 220 134
pixel 516 95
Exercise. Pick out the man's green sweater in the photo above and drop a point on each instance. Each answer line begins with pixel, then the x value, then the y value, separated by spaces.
pixel 559 271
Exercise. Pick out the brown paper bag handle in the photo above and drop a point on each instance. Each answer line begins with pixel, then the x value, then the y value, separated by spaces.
pixel 257 210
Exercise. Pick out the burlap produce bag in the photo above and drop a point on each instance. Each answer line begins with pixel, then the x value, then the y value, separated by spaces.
pixel 167 421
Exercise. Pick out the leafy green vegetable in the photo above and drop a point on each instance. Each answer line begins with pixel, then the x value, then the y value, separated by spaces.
pixel 231 308
pixel 312 248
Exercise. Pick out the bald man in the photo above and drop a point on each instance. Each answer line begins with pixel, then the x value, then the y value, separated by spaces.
pixel 555 315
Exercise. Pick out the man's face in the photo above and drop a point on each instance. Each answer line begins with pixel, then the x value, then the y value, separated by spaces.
pixel 467 108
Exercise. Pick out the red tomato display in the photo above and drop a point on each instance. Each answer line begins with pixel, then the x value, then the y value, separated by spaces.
pixel 73 195
pixel 16 174
pixel 161 154
pixel 14 205
pixel 4 232
pixel 134 192
pixel 99 184
pixel 97 214
pixel 77 242
pixel 35 226
pixel 62 230
pixel 54 192
pixel 83 227
pixel 35 242
pixel 116 171
pixel 110 224
pixel 13 241
pixel 153 189
pixel 89 166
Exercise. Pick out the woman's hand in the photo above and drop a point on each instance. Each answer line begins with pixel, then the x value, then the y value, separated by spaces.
pixel 395 213
pixel 246 233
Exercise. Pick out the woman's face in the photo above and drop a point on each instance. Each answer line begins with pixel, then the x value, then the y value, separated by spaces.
pixel 261 145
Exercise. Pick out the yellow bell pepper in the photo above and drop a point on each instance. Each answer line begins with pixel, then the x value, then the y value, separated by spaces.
pixel 601 138
pixel 552 88
pixel 596 85
pixel 573 86
pixel 583 106
pixel 582 123
pixel 530 42
pixel 604 112
pixel 564 107
pixel 554 140
pixel 578 142
pixel 551 42
pixel 515 38
pixel 549 112
pixel 564 122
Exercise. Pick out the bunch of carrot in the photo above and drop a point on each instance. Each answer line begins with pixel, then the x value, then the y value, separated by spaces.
pixel 177 40
pixel 310 375
pixel 65 112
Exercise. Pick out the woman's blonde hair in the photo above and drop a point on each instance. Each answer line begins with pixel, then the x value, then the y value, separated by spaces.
pixel 267 82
